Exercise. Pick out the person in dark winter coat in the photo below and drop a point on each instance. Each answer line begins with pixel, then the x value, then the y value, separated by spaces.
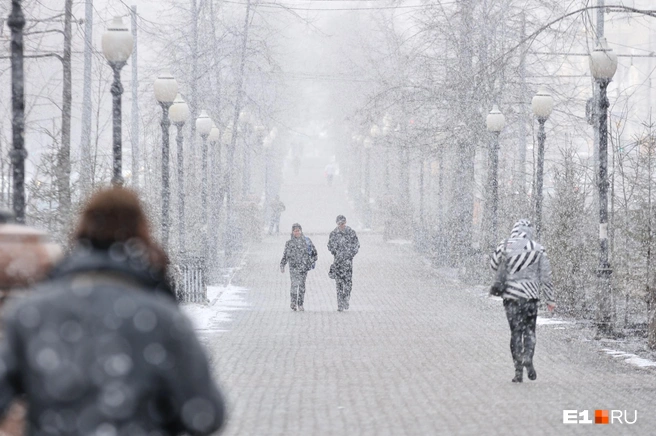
pixel 344 245
pixel 528 275
pixel 301 255
pixel 26 257
pixel 102 346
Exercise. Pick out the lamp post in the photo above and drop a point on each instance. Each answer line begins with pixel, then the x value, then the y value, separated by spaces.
pixel 179 113
pixel 603 64
pixel 387 203
pixel 204 127
pixel 215 143
pixel 244 120
pixel 367 143
pixel 387 126
pixel 356 175
pixel 266 144
pixel 18 153
pixel 117 44
pixel 375 133
pixel 495 122
pixel 442 139
pixel 259 139
pixel 542 105
pixel 229 239
pixel 166 89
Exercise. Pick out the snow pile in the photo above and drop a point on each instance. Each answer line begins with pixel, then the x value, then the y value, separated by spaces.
pixel 213 316
pixel 551 321
pixel 631 359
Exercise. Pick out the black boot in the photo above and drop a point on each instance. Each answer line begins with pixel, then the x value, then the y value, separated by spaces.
pixel 530 371
pixel 519 376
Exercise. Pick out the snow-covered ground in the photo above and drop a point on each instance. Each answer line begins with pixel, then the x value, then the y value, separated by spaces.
pixel 631 359
pixel 216 316
pixel 558 323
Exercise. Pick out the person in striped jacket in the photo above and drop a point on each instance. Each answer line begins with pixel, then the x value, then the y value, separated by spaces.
pixel 528 276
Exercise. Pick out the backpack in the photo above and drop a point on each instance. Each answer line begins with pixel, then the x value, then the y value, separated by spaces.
pixel 497 288
pixel 309 248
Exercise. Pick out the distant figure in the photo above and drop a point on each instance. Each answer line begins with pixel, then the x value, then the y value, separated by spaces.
pixel 529 273
pixel 109 350
pixel 251 220
pixel 296 164
pixel 344 245
pixel 277 208
pixel 330 173
pixel 301 255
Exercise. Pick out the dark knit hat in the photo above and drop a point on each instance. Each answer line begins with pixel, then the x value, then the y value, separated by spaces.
pixel 297 226
pixel 340 219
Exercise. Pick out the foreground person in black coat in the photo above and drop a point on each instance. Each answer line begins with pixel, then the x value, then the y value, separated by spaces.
pixel 102 347
pixel 344 245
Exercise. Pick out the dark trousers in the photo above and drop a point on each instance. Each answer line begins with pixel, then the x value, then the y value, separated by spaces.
pixel 297 291
pixel 344 285
pixel 522 315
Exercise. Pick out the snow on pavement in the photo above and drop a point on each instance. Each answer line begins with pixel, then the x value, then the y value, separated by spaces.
pixel 216 316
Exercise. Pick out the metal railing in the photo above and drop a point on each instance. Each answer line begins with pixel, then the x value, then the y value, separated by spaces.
pixel 191 281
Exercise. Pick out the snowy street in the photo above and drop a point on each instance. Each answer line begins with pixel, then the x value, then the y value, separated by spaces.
pixel 328 217
pixel 418 353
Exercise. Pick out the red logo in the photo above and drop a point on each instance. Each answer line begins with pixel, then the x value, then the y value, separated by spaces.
pixel 601 416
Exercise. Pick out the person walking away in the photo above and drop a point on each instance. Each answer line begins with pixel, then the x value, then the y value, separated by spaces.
pixel 277 208
pixel 528 275
pixel 301 255
pixel 344 245
pixel 330 173
pixel 296 163
pixel 110 351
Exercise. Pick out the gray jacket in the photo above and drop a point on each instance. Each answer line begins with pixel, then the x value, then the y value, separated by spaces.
pixel 529 271
pixel 98 348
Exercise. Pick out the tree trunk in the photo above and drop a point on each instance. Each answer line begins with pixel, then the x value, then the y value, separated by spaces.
pixel 64 155
pixel 230 237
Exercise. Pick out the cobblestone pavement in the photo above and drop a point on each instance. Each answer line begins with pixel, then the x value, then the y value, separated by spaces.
pixel 418 353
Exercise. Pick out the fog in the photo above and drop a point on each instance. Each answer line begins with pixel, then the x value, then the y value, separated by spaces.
pixel 376 110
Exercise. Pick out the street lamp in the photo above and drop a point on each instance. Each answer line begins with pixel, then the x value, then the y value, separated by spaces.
pixel 267 142
pixel 542 105
pixel 387 127
pixel 358 180
pixel 229 239
pixel 18 154
pixel 244 121
pixel 117 44
pixel 204 127
pixel 166 89
pixel 367 143
pixel 215 142
pixel 375 132
pixel 226 138
pixel 495 122
pixel 179 114
pixel 387 203
pixel 603 64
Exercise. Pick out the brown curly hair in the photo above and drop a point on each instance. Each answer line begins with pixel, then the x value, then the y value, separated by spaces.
pixel 114 215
